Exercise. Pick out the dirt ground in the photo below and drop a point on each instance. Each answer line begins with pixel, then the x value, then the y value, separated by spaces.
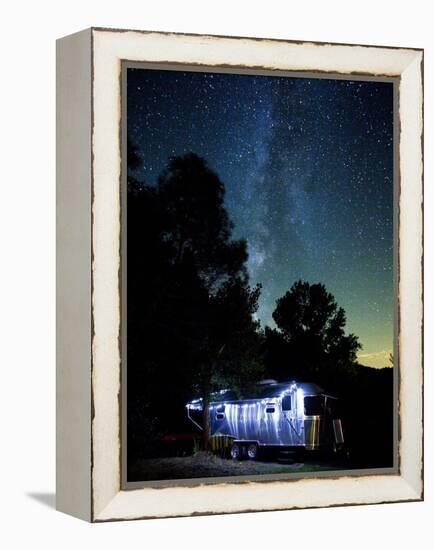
pixel 207 465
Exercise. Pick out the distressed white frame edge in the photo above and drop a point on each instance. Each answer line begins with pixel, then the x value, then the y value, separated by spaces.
pixel 109 48
pixel 73 274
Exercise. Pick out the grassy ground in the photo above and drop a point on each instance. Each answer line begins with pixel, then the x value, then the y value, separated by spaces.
pixel 207 465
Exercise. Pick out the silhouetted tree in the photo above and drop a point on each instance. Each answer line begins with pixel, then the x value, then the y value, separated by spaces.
pixel 190 308
pixel 196 223
pixel 232 347
pixel 310 339
pixel 196 226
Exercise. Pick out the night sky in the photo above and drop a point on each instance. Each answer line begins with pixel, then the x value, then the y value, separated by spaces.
pixel 308 168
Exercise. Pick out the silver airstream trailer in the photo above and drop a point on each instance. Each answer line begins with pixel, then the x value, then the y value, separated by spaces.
pixel 292 416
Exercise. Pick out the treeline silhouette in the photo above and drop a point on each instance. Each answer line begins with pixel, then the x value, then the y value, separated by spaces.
pixel 191 326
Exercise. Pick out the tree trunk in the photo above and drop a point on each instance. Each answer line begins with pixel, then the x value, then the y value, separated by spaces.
pixel 206 424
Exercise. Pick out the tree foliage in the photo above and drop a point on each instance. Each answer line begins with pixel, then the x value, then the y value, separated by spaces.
pixel 190 307
pixel 310 339
pixel 196 223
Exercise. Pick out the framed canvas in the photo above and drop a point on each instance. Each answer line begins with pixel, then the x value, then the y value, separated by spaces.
pixel 239 274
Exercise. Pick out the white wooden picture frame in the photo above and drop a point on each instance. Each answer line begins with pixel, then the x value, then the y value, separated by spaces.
pixel 89 397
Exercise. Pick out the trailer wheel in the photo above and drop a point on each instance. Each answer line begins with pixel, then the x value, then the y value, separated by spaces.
pixel 236 451
pixel 252 451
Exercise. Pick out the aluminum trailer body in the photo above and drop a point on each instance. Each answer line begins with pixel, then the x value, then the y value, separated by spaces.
pixel 292 415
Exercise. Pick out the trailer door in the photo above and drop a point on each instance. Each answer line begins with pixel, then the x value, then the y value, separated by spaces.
pixel 291 429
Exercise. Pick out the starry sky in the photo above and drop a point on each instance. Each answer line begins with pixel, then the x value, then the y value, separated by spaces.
pixel 307 165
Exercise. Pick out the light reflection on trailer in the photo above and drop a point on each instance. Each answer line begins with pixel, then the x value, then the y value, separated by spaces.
pixel 297 416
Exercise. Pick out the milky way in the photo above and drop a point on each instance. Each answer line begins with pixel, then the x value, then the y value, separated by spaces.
pixel 307 165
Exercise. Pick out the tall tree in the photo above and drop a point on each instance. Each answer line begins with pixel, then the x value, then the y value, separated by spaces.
pixel 232 347
pixel 191 315
pixel 198 229
pixel 196 223
pixel 311 333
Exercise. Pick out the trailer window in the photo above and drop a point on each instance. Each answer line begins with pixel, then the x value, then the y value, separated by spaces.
pixel 270 409
pixel 286 403
pixel 314 405
pixel 220 412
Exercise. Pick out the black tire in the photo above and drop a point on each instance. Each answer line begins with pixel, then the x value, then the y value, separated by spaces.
pixel 236 451
pixel 252 451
